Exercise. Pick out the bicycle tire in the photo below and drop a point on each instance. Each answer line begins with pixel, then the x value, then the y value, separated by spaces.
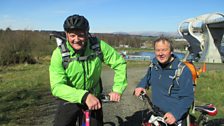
pixel 215 122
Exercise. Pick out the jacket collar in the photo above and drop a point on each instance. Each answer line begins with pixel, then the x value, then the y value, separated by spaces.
pixel 172 65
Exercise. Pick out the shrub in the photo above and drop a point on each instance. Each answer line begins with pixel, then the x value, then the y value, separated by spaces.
pixel 15 48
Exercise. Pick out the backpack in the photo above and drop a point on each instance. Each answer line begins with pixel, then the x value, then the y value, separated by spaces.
pixel 194 72
pixel 61 43
pixel 192 68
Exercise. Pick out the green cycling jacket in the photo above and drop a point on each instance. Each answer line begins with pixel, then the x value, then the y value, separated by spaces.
pixel 72 83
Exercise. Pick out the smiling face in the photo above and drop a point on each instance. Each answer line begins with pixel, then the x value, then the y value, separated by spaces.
pixel 163 51
pixel 77 39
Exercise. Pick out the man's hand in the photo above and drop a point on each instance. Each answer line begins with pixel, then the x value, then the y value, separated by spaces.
pixel 114 96
pixel 138 91
pixel 169 118
pixel 92 102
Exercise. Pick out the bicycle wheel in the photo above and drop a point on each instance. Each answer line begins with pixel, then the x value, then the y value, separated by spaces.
pixel 215 122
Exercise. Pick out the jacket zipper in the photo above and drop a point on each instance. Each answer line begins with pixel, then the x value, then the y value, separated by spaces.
pixel 84 72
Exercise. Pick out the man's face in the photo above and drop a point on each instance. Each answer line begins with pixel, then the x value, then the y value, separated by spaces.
pixel 77 38
pixel 163 51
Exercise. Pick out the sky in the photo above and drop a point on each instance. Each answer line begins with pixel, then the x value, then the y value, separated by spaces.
pixel 104 16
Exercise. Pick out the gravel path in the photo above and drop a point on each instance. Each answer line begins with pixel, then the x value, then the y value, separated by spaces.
pixel 128 111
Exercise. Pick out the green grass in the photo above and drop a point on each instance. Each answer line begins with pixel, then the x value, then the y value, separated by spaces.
pixel 25 92
pixel 210 89
pixel 23 89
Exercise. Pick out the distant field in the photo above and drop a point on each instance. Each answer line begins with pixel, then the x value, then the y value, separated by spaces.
pixel 26 99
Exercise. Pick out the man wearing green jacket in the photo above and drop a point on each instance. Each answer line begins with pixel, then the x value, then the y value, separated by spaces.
pixel 77 84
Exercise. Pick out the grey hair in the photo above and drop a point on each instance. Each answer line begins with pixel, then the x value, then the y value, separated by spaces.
pixel 164 39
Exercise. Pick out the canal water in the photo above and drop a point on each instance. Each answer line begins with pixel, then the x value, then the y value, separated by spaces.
pixel 148 56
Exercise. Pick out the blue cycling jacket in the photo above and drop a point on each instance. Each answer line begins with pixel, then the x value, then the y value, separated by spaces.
pixel 181 95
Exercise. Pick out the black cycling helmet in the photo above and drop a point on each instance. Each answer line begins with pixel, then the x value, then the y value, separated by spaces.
pixel 76 22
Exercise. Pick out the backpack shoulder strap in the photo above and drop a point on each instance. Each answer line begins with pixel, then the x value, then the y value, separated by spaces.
pixel 95 45
pixel 176 76
pixel 65 55
pixel 179 70
pixel 150 65
pixel 61 43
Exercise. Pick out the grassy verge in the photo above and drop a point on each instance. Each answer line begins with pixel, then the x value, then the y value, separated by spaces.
pixel 24 89
pixel 210 90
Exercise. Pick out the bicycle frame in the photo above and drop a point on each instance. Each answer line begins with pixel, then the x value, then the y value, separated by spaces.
pixel 87 118
pixel 87 113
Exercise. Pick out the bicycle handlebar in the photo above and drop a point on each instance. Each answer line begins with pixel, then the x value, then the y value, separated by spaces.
pixel 143 96
pixel 105 98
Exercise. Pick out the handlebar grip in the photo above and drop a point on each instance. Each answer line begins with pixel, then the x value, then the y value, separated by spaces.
pixel 105 98
pixel 142 96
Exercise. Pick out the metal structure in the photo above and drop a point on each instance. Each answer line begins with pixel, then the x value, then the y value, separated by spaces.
pixel 204 35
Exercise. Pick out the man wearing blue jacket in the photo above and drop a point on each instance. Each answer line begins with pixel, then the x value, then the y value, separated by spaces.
pixel 171 95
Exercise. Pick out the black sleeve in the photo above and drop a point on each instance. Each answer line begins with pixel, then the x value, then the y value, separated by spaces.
pixel 84 97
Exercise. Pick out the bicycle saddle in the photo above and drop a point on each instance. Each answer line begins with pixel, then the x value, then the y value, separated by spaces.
pixel 209 109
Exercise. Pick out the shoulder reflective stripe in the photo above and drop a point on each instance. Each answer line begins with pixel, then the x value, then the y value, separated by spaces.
pixel 65 54
pixel 82 58
pixel 71 59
